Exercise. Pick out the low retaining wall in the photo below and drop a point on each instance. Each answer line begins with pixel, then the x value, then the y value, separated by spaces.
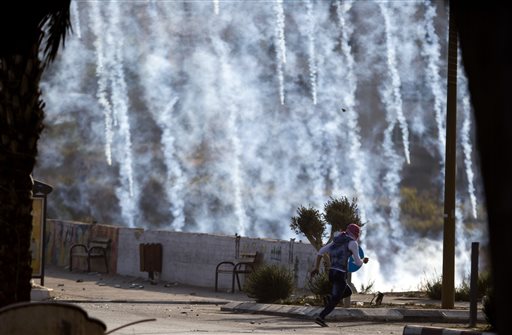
pixel 188 258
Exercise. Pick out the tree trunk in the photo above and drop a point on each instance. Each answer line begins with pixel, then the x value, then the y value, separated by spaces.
pixel 21 117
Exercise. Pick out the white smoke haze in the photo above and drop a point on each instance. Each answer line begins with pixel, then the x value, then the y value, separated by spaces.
pixel 225 117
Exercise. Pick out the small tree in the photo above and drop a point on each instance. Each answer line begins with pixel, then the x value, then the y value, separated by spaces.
pixel 338 213
pixel 309 223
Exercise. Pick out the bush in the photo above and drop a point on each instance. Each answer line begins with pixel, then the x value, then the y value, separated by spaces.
pixel 433 287
pixel 320 285
pixel 489 306
pixel 484 284
pixel 463 292
pixel 269 283
pixel 368 288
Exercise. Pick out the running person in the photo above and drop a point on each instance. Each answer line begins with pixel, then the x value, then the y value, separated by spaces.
pixel 340 249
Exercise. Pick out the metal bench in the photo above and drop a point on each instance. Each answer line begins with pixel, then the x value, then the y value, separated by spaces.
pixel 242 266
pixel 97 247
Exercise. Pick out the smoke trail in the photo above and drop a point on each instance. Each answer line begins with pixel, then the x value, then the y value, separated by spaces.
pixel 216 7
pixel 101 64
pixel 280 47
pixel 328 124
pixel 466 140
pixel 392 177
pixel 463 242
pixel 311 50
pixel 331 139
pixel 312 144
pixel 431 49
pixel 228 79
pixel 158 91
pixel 229 94
pixel 354 137
pixel 127 194
pixel 467 149
pixel 393 103
pixel 312 135
pixel 175 178
pixel 75 16
pixel 395 100
pixel 329 116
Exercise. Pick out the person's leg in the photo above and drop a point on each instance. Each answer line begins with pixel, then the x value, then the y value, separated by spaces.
pixel 347 292
pixel 339 285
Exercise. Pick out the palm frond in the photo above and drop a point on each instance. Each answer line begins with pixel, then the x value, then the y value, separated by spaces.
pixel 56 23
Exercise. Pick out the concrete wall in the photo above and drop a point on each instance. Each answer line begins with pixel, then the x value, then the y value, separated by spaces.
pixel 188 258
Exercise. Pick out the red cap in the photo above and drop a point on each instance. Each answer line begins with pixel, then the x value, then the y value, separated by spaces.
pixel 354 230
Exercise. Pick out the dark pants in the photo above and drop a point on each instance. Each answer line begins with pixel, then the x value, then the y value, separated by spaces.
pixel 340 290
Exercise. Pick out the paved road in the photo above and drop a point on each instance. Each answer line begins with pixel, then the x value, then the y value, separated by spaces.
pixel 180 309
pixel 208 319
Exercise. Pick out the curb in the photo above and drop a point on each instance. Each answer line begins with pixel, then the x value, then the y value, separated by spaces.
pixel 40 293
pixel 358 314
pixel 418 330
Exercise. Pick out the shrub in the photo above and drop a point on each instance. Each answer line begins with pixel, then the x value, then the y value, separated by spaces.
pixel 485 288
pixel 463 292
pixel 320 285
pixel 484 283
pixel 269 283
pixel 488 307
pixel 433 287
pixel 368 288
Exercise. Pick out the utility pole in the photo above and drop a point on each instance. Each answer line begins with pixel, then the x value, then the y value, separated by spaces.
pixel 448 286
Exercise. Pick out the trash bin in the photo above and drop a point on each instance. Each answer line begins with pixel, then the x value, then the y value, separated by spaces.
pixel 150 258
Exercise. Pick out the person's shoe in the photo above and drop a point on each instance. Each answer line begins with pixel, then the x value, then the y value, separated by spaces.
pixel 321 322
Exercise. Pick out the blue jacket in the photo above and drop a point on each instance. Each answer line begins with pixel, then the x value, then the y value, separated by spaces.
pixel 339 252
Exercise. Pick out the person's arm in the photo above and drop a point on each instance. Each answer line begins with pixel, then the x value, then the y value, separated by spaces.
pixel 354 247
pixel 319 257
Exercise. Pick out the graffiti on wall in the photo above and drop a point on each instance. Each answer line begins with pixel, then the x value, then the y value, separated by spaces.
pixel 61 235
